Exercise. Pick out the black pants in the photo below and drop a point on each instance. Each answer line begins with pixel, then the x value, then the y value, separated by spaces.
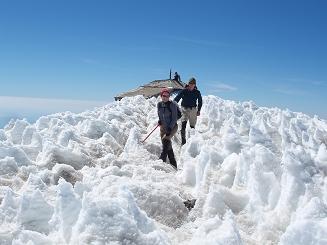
pixel 167 148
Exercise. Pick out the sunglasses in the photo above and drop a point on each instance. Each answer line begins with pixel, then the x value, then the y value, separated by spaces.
pixel 165 95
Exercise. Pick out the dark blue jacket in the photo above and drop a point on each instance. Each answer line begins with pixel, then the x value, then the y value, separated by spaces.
pixel 167 116
pixel 189 98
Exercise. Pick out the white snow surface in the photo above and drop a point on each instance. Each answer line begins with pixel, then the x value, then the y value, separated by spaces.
pixel 258 174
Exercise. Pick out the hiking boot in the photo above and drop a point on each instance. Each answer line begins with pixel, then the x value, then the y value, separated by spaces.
pixel 171 157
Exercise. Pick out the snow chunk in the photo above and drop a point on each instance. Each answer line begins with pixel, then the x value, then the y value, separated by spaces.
pixel 16 132
pixel 321 157
pixel 66 172
pixel 17 153
pixel 217 231
pixel 52 155
pixel 115 220
pixel 8 166
pixel 35 212
pixel 67 209
pixel 27 237
pixel 309 225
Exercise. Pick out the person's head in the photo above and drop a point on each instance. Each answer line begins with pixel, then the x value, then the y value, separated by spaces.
pixel 191 83
pixel 176 73
pixel 165 94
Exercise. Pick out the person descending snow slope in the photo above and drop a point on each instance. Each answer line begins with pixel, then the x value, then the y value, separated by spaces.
pixel 167 113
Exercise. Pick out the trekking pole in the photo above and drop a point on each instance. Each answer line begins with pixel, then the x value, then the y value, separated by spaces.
pixel 150 133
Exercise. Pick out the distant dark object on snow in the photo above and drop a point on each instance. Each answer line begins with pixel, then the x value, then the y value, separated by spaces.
pixel 177 77
pixel 189 204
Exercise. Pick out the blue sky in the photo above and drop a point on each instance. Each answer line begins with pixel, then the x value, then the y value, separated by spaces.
pixel 271 52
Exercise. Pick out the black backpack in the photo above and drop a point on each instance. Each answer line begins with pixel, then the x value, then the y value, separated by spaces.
pixel 179 113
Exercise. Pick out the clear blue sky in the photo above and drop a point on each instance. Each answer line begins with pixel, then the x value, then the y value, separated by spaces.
pixel 271 52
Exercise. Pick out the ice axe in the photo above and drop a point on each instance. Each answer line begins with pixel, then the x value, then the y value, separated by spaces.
pixel 150 133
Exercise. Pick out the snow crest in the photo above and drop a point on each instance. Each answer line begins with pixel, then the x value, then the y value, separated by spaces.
pixel 258 176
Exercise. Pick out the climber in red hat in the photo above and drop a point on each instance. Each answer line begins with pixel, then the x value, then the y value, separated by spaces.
pixel 167 112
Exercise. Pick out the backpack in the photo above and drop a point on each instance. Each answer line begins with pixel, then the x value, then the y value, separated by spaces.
pixel 179 112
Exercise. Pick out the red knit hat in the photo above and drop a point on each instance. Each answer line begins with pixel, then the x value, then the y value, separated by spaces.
pixel 164 90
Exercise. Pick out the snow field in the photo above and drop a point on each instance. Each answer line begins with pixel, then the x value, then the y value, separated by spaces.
pixel 258 174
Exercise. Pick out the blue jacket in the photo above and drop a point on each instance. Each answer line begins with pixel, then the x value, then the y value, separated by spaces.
pixel 167 116
pixel 189 98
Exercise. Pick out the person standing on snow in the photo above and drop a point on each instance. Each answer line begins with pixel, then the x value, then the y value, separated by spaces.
pixel 191 105
pixel 167 113
pixel 177 77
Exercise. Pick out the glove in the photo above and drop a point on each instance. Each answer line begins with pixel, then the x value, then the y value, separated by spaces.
pixel 168 131
pixel 159 122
